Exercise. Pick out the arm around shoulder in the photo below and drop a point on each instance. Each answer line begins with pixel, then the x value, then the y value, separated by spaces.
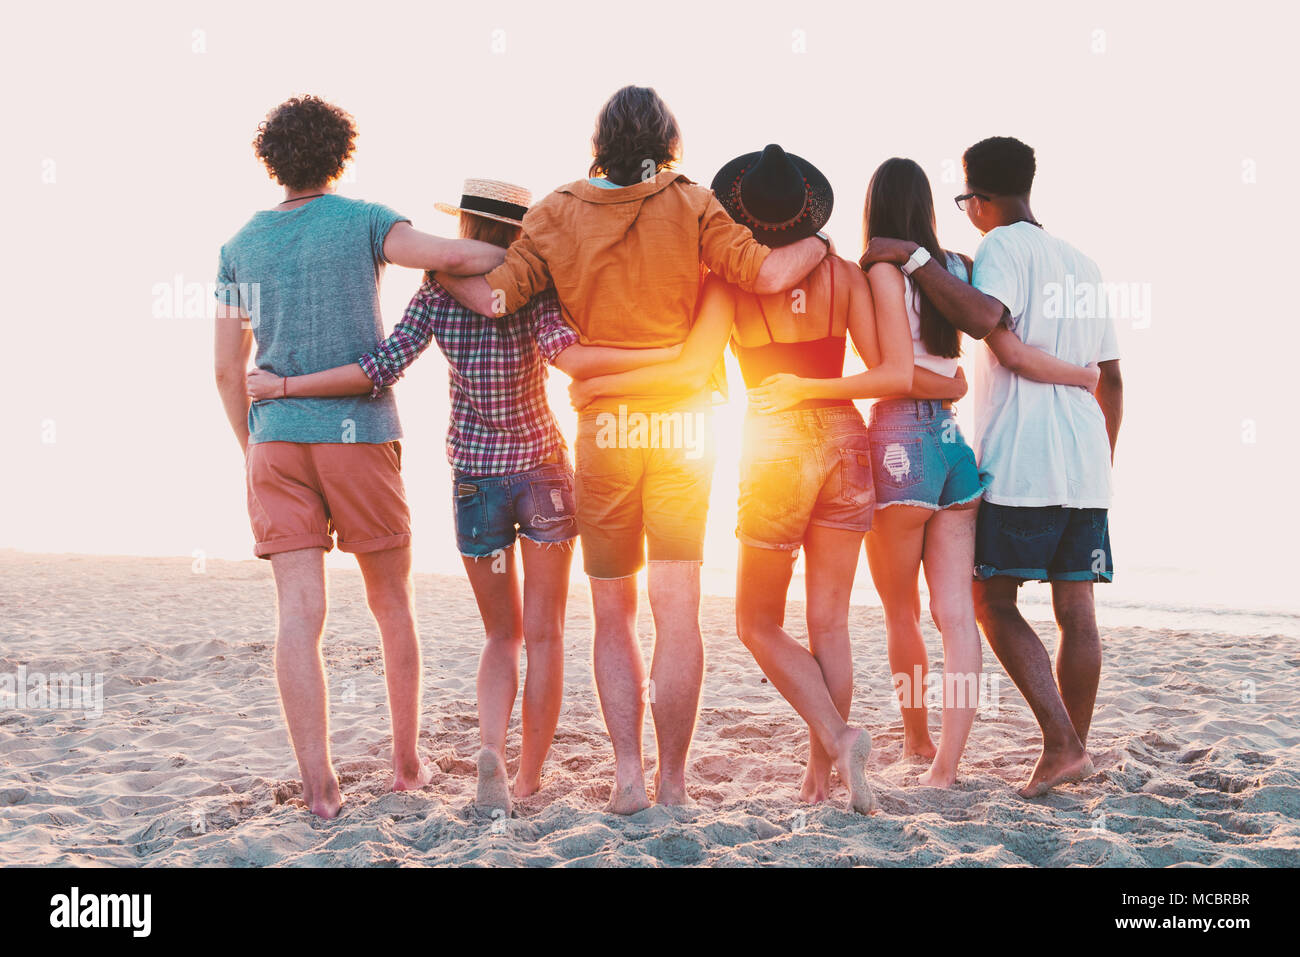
pixel 786 265
pixel 407 246
pixel 973 312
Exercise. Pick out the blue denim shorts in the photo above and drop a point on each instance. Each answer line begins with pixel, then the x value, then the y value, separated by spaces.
pixel 1047 543
pixel 492 511
pixel 919 456
pixel 803 467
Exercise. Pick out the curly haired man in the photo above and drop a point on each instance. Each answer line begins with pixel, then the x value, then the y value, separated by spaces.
pixel 300 281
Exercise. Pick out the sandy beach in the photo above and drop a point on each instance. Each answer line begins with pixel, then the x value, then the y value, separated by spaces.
pixel 189 763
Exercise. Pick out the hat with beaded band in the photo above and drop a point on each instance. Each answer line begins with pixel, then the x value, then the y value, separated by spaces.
pixel 781 197
pixel 491 199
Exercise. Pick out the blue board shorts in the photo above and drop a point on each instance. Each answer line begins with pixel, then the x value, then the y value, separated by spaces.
pixel 919 456
pixel 492 511
pixel 1049 543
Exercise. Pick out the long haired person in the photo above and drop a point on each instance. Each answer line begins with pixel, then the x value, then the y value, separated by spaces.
pixel 928 487
pixel 806 471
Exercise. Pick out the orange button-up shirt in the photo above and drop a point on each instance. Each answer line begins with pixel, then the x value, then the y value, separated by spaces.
pixel 626 262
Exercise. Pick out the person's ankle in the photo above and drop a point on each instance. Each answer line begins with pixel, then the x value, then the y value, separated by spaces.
pixel 408 765
pixel 1065 744
pixel 325 782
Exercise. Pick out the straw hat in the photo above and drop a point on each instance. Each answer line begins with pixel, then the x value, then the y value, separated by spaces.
pixel 492 199
pixel 781 197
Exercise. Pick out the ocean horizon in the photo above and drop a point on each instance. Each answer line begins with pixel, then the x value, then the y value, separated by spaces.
pixel 1177 599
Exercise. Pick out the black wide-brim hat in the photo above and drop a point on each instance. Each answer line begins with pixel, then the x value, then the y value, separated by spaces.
pixel 781 197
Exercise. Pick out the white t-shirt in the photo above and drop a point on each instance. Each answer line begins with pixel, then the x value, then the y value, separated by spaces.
pixel 921 356
pixel 1044 444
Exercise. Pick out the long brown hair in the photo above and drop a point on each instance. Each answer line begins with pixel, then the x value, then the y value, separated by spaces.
pixel 634 127
pixel 900 205
pixel 486 230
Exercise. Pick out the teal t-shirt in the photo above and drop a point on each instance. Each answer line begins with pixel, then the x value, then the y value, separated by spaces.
pixel 309 279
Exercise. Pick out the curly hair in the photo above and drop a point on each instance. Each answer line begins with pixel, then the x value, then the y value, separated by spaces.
pixel 633 127
pixel 305 142
pixel 1000 164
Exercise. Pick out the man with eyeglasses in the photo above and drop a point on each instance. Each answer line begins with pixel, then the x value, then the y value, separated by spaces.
pixel 1049 448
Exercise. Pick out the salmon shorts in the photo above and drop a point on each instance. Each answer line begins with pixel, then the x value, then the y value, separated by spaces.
pixel 301 495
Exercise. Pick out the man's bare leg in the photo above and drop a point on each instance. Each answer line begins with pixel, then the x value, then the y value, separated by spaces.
pixel 391 597
pixel 495 581
pixel 546 592
pixel 1078 656
pixel 1023 656
pixel 621 685
pixel 762 577
pixel 830 563
pixel 676 672
pixel 300 673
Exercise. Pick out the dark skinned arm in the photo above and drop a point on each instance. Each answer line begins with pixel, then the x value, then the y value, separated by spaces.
pixel 1110 396
pixel 970 310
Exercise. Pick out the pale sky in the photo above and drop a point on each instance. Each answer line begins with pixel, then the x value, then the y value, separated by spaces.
pixel 1166 147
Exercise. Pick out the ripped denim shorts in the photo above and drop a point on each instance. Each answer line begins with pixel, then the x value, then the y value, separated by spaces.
pixel 919 456
pixel 492 511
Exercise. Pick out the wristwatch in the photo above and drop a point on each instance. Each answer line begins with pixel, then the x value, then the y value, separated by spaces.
pixel 823 237
pixel 919 259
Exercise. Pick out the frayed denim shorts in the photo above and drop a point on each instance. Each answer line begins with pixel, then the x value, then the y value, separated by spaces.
pixel 919 456
pixel 492 511
pixel 803 467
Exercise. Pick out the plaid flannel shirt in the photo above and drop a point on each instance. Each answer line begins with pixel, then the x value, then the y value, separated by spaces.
pixel 501 423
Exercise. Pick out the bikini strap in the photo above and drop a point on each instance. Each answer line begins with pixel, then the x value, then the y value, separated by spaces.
pixel 830 323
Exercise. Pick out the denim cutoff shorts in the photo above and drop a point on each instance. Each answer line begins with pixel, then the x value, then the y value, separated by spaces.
pixel 919 456
pixel 803 467
pixel 492 511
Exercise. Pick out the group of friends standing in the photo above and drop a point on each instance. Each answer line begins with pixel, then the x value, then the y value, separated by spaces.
pixel 633 281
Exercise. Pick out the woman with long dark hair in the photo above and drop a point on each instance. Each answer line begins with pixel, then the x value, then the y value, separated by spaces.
pixel 928 486
pixel 806 469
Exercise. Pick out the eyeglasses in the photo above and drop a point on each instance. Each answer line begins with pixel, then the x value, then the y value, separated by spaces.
pixel 961 200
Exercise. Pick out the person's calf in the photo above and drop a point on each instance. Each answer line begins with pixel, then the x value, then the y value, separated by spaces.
pixel 997 617
pixel 1078 675
pixel 543 694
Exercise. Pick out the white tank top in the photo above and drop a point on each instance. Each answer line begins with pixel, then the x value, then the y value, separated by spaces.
pixel 921 355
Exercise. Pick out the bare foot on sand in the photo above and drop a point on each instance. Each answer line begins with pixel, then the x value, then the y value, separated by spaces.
pixel 855 748
pixel 328 809
pixel 522 788
pixel 325 801
pixel 412 780
pixel 673 793
pixel 1055 768
pixel 493 785
pixel 816 785
pixel 919 750
pixel 628 795
pixel 934 778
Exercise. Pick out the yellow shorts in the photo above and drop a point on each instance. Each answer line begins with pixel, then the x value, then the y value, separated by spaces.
pixel 643 481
